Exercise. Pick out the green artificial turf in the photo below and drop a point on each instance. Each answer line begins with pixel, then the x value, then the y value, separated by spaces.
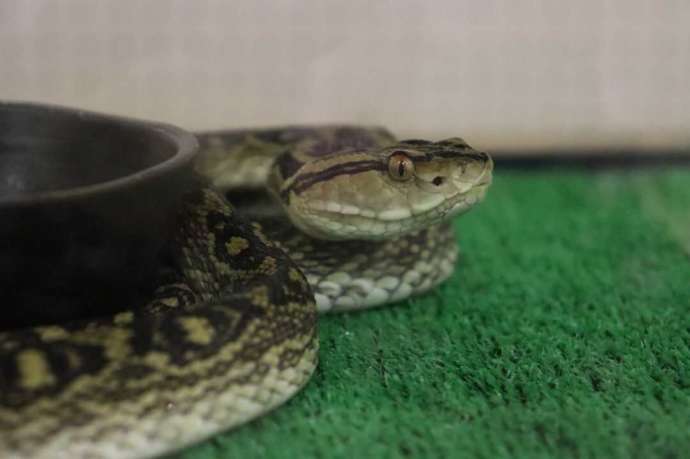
pixel 564 332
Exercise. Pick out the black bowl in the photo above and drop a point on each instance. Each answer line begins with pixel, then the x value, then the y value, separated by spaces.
pixel 87 201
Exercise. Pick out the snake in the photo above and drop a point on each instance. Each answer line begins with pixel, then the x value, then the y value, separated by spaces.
pixel 323 219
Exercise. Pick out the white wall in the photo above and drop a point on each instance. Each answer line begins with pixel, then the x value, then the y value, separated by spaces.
pixel 506 73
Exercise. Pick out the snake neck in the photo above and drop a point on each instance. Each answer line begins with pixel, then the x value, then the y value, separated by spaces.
pixel 350 275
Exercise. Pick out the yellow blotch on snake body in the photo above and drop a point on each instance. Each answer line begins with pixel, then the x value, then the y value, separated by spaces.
pixel 236 245
pixel 74 360
pixel 295 275
pixel 259 296
pixel 52 333
pixel 34 370
pixel 117 344
pixel 199 330
pixel 157 359
pixel 124 318
pixel 268 266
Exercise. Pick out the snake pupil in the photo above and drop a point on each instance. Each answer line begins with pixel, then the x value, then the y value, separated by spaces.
pixel 400 166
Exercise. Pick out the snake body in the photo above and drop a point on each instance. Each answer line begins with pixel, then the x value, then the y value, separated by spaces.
pixel 230 332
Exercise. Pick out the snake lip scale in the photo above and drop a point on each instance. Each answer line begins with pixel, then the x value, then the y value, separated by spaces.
pixel 357 219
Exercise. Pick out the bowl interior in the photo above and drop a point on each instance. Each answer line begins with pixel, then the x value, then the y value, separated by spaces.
pixel 50 150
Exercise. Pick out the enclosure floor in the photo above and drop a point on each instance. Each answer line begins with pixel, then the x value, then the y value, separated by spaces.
pixel 564 332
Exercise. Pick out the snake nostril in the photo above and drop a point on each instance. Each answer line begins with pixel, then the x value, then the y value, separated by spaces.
pixel 438 181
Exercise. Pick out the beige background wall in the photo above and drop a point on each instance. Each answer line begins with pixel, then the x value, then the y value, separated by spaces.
pixel 509 73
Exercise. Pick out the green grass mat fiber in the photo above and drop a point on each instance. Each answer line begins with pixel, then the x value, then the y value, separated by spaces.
pixel 564 332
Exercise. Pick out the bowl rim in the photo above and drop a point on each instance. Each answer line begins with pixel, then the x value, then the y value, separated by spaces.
pixel 186 143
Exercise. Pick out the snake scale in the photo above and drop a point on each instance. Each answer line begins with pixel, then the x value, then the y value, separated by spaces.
pixel 230 332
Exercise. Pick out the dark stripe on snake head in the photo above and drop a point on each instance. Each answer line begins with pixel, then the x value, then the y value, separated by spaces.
pixel 309 179
pixel 451 154
pixel 288 165
pixel 474 155
pixel 416 142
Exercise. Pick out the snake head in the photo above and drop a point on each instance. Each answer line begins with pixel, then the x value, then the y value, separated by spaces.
pixel 382 192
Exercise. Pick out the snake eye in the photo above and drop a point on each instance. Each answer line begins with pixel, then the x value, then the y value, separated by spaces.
pixel 400 166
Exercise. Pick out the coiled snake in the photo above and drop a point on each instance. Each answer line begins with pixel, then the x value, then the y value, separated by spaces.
pixel 231 331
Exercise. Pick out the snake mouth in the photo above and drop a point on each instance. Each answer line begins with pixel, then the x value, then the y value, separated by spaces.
pixel 466 201
pixel 486 177
pixel 339 222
